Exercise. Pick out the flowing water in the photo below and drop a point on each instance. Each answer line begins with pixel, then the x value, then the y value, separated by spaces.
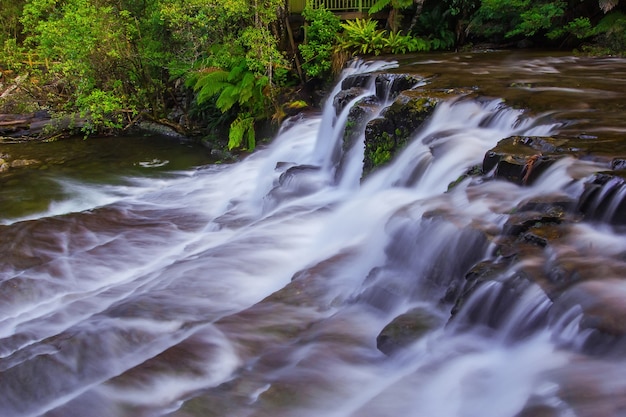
pixel 259 288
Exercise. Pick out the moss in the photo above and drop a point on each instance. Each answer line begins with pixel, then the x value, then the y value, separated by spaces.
pixel 383 145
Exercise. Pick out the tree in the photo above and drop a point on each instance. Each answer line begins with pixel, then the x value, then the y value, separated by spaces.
pixel 10 12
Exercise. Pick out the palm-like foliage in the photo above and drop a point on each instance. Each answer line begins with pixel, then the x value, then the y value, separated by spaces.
pixel 238 89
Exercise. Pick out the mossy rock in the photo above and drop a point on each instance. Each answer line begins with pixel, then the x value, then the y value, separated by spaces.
pixel 362 111
pixel 389 133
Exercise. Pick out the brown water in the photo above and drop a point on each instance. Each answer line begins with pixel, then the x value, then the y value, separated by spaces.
pixel 98 167
pixel 259 288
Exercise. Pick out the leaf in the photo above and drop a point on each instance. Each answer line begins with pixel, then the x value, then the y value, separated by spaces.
pixel 210 84
pixel 227 99
pixel 378 6
pixel 243 124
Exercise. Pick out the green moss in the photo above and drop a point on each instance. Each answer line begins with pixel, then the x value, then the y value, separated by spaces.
pixel 381 156
pixel 384 145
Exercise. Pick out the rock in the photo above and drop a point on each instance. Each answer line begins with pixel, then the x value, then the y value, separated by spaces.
pixel 361 112
pixel 23 162
pixel 356 80
pixel 603 313
pixel 521 159
pixel 389 86
pixel 344 97
pixel 159 129
pixel 406 329
pixel 387 134
pixel 604 198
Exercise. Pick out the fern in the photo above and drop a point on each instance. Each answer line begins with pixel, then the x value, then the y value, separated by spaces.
pixel 210 83
pixel 239 91
pixel 242 125
pixel 378 6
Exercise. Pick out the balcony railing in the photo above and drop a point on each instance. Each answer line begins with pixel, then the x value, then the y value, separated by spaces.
pixel 337 6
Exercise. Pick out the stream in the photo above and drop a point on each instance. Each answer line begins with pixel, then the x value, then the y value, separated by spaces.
pixel 138 279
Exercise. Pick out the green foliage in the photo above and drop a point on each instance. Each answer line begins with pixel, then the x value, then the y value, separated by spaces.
pixel 397 43
pixel 579 27
pixel 12 55
pixel 321 38
pixel 11 28
pixel 434 25
pixel 361 36
pixel 540 17
pixel 396 4
pixel 102 109
pixel 242 126
pixel 610 33
pixel 240 90
pixel 519 17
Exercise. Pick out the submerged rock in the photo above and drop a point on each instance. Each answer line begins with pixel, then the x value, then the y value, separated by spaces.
pixel 406 329
pixel 604 198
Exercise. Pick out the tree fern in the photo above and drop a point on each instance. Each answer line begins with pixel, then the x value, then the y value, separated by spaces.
pixel 227 98
pixel 238 90
pixel 210 83
pixel 242 126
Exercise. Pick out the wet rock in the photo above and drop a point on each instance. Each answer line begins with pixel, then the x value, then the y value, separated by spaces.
pixel 387 134
pixel 389 86
pixel 604 199
pixel 356 80
pixel 521 159
pixel 359 114
pixel 344 97
pixel 479 274
pixel 591 388
pixel 158 129
pixel 406 329
pixel 603 323
pixel 552 210
pixel 539 411
pixel 23 162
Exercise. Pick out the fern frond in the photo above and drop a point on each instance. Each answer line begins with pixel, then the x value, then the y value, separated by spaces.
pixel 243 124
pixel 208 78
pixel 235 72
pixel 228 98
pixel 210 84
pixel 378 6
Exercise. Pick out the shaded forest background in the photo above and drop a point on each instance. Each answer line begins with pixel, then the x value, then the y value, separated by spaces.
pixel 220 68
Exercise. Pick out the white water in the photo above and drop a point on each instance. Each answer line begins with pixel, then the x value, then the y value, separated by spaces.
pixel 228 291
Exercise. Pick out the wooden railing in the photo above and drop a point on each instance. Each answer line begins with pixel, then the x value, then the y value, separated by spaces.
pixel 337 6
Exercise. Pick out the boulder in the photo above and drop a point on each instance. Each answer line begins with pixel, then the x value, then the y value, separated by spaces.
pixel 406 329
pixel 520 159
pixel 387 134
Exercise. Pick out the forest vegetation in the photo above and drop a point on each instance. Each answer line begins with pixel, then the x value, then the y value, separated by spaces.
pixel 200 65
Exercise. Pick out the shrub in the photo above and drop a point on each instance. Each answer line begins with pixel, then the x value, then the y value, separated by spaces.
pixel 321 37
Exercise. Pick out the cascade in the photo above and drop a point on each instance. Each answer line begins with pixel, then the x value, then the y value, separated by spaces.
pixel 294 283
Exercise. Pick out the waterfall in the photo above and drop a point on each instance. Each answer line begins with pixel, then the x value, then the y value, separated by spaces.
pixel 260 288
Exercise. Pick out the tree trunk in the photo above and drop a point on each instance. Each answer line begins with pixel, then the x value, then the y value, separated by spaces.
pixel 418 11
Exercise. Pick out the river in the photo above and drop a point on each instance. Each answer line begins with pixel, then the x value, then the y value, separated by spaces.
pixel 140 280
